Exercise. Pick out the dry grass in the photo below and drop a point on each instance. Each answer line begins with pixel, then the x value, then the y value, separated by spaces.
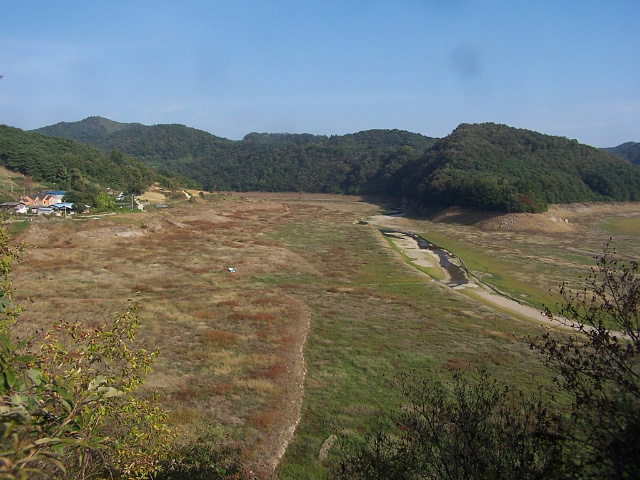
pixel 219 335
pixel 264 420
pixel 228 340
pixel 153 196
pixel 457 364
pixel 218 338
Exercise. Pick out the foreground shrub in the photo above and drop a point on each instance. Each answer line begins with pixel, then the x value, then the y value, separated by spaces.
pixel 68 407
pixel 599 365
pixel 477 428
pixel 203 459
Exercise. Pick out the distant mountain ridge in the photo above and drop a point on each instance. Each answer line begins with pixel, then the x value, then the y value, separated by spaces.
pixel 629 151
pixel 486 166
pixel 89 130
pixel 147 143
pixel 260 161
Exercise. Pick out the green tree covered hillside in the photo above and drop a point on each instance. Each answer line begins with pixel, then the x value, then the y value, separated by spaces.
pixel 71 165
pixel 629 151
pixel 155 145
pixel 364 162
pixel 496 167
pixel 92 129
pixel 485 166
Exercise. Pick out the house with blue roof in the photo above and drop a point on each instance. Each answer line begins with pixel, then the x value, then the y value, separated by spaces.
pixel 57 195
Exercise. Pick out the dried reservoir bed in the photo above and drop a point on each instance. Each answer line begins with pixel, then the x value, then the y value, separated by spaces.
pixel 318 299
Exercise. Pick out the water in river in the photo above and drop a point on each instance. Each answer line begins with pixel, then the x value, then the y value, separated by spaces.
pixel 457 275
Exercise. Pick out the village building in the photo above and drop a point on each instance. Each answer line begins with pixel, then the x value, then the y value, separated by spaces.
pixel 58 195
pixel 63 208
pixel 13 207
pixel 38 199
pixel 42 210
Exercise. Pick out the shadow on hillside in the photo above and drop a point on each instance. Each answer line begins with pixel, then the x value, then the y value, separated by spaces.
pixel 459 216
pixel 450 215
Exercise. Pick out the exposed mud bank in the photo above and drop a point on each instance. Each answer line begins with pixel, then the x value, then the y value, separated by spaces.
pixel 398 229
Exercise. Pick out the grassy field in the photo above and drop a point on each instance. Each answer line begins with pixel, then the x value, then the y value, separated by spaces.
pixel 623 226
pixel 311 278
pixel 526 262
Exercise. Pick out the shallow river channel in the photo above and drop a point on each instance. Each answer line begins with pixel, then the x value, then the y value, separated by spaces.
pixel 456 274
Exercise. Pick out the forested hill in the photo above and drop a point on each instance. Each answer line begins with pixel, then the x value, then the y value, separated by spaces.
pixel 629 151
pixel 155 145
pixel 364 162
pixel 75 166
pixel 93 130
pixel 485 166
pixel 496 167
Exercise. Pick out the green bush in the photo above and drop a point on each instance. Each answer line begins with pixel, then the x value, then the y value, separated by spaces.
pixel 480 429
pixel 68 407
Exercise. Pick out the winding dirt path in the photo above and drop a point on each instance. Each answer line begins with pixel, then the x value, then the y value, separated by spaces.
pixel 290 410
pixel 295 396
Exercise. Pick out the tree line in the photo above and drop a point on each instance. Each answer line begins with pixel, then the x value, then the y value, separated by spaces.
pixel 484 166
pixel 629 151
pixel 496 167
pixel 78 168
pixel 358 163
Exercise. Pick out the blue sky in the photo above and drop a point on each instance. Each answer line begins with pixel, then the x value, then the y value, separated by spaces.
pixel 561 67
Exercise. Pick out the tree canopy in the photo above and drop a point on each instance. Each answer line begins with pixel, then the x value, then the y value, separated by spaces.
pixel 485 166
pixel 496 167
pixel 72 165
pixel 629 151
pixel 363 162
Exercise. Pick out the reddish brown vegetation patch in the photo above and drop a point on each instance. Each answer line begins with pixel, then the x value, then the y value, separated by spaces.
pixel 213 338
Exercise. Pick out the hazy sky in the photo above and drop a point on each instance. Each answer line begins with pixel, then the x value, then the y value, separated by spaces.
pixel 560 67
